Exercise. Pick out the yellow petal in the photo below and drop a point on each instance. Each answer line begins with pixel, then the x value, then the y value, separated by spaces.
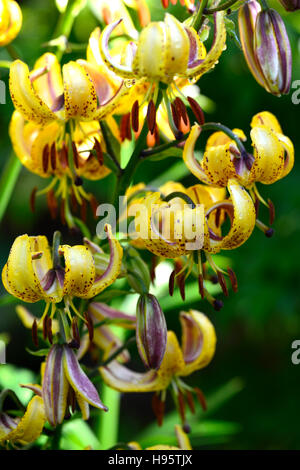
pixel 177 47
pixel 114 267
pixel 79 91
pixel 18 275
pixel 79 270
pixel 198 341
pixel 182 438
pixel 218 46
pixel 10 29
pixel 25 98
pixel 267 119
pixel 31 424
pixel 243 221
pixel 150 57
pixel 220 138
pixel 189 157
pixel 22 135
pixel 218 165
pixel 44 138
pixel 289 154
pixel 269 156
pixel 49 86
pixel 27 319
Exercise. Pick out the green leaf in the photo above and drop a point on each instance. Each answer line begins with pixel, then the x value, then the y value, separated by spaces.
pixel 171 152
pixel 77 435
pixel 39 353
pixel 11 377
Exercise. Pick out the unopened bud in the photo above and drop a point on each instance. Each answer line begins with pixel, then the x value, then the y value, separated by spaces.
pixel 151 331
pixel 290 5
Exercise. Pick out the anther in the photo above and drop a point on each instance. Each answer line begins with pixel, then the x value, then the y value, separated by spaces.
pixel 90 326
pixel 53 156
pixel 233 279
pixel 181 110
pixel 94 205
pixel 158 407
pixel 34 333
pixel 181 405
pixel 75 155
pixel 201 398
pixel 45 158
pixel 201 286
pixel 125 129
pixel 171 283
pixel 190 401
pixel 197 110
pixel 99 152
pixel 135 116
pixel 75 333
pixel 52 203
pixel 222 283
pixel 271 212
pixel 151 116
pixel 268 231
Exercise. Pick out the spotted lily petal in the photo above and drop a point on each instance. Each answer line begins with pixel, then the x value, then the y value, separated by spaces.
pixel 243 219
pixel 18 275
pixel 269 156
pixel 11 21
pixel 198 341
pixel 49 86
pixel 31 424
pixel 219 44
pixel 113 269
pixel 189 157
pixel 79 380
pixel 55 386
pixel 79 91
pixel 24 96
pixel 79 270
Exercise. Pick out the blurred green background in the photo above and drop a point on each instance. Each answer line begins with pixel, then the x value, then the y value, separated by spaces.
pixel 257 325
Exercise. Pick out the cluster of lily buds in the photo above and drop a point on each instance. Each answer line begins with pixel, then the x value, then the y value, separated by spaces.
pixel 266 47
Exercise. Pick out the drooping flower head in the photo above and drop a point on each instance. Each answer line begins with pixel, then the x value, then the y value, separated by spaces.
pixel 10 21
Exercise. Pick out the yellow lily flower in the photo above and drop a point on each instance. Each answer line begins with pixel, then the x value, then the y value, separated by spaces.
pixel 273 156
pixel 26 429
pixel 196 351
pixel 48 94
pixel 176 47
pixel 10 21
pixel 32 273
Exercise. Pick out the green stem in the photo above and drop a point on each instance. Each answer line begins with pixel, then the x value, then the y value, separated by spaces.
pixel 161 148
pixel 5 64
pixel 66 22
pixel 12 52
pixel 7 182
pixel 215 126
pixel 223 6
pixel 181 195
pixel 108 423
pixel 199 16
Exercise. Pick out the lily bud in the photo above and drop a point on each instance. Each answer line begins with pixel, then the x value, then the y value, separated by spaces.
pixel 290 5
pixel 266 47
pixel 151 331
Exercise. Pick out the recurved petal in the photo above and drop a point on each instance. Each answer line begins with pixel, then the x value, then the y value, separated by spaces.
pixel 100 311
pixel 24 96
pixel 150 45
pixel 7 425
pixel 289 154
pixel 113 269
pixel 79 91
pixel 49 86
pixel 31 424
pixel 22 135
pixel 123 379
pixel 18 275
pixel 189 157
pixel 269 156
pixel 177 47
pixel 243 220
pixel 55 386
pixel 198 341
pixel 218 46
pixel 42 265
pixel 267 119
pixel 79 270
pixel 218 165
pixel 79 381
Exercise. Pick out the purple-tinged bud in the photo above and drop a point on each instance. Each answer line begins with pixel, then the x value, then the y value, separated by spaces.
pixel 151 331
pixel 266 47
pixel 290 5
pixel 273 51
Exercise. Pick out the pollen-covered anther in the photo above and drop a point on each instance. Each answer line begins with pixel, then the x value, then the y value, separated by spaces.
pixel 45 158
pixel 172 282
pixel 89 325
pixel 32 199
pixel 52 204
pixel 222 283
pixel 125 127
pixel 201 398
pixel 135 116
pixel 197 110
pixel 75 334
pixel 34 332
pixel 53 156
pixel 271 211
pixel 158 406
pixel 181 405
pixel 233 279
pixel 201 286
pixel 151 116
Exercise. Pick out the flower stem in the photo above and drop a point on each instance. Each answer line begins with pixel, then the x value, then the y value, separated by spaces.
pixel 108 423
pixel 7 182
pixel 66 22
pixel 216 126
pixel 199 16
